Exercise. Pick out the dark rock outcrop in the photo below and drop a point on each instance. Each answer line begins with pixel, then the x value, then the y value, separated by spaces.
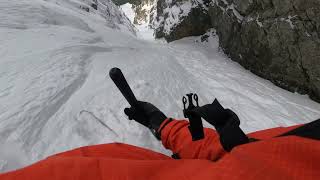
pixel 94 4
pixel 276 39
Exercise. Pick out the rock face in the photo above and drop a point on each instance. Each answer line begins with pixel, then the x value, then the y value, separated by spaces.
pixel 175 19
pixel 276 39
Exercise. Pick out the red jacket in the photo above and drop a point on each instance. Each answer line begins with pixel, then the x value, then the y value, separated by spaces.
pixel 288 157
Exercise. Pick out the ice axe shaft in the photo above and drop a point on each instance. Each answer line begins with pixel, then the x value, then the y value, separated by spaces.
pixel 122 84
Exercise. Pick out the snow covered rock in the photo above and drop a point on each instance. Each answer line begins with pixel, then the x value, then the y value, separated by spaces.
pixel 276 39
pixel 140 8
pixel 142 11
pixel 175 19
pixel 114 18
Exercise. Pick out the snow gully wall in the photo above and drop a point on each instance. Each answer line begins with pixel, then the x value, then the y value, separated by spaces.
pixel 276 39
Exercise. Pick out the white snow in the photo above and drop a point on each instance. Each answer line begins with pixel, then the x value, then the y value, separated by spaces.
pixel 128 10
pixel 144 30
pixel 289 20
pixel 259 22
pixel 307 34
pixel 12 156
pixel 55 94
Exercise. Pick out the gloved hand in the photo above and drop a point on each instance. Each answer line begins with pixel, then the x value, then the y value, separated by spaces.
pixel 215 114
pixel 226 123
pixel 146 114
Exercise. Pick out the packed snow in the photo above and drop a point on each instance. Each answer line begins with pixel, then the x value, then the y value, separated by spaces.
pixel 128 10
pixel 55 94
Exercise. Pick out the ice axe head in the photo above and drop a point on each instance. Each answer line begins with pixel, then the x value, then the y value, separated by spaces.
pixel 122 84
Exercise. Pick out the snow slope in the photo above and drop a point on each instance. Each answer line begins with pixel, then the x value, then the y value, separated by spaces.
pixel 55 94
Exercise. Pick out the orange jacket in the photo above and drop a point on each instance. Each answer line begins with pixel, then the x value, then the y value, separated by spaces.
pixel 289 157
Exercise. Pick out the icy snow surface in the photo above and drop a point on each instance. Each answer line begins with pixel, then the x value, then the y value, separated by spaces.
pixel 128 10
pixel 55 94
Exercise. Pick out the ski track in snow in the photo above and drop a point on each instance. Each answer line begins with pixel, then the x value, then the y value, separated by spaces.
pixel 55 93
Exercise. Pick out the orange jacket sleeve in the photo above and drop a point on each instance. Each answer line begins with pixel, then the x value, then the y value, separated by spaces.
pixel 175 136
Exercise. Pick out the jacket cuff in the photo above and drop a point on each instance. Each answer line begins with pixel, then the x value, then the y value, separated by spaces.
pixel 164 124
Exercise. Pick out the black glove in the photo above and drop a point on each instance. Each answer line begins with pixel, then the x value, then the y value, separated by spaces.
pixel 214 114
pixel 226 123
pixel 146 114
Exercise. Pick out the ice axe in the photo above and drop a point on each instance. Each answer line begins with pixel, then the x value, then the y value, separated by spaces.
pixel 122 84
